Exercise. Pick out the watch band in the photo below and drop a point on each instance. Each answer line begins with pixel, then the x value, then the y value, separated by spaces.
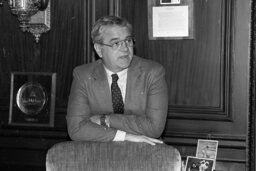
pixel 103 120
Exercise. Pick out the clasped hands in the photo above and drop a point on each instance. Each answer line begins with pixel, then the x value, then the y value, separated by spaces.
pixel 128 137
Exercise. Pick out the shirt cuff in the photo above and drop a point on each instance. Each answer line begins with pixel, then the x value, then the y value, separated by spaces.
pixel 120 136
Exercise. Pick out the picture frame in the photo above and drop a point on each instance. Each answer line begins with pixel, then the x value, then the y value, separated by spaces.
pixel 199 164
pixel 170 20
pixel 32 99
pixel 162 2
pixel 207 149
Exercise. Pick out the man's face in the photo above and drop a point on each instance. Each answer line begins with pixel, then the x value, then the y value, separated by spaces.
pixel 115 59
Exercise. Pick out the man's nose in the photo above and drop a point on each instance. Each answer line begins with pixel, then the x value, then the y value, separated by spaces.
pixel 124 45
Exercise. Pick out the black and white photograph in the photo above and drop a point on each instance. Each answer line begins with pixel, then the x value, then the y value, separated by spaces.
pixel 207 148
pixel 198 164
pixel 128 85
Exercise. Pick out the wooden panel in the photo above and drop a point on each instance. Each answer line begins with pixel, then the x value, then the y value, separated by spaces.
pixel 230 166
pixel 65 46
pixel 198 70
pixel 59 50
pixel 27 148
pixel 252 116
pixel 207 76
pixel 93 10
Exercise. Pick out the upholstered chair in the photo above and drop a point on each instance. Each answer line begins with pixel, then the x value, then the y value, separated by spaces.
pixel 112 156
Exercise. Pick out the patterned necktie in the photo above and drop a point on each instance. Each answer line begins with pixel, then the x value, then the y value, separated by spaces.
pixel 117 100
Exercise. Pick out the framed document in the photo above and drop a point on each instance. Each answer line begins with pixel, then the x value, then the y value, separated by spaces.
pixel 32 99
pixel 170 19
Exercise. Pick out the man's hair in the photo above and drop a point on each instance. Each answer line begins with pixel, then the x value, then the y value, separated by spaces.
pixel 106 21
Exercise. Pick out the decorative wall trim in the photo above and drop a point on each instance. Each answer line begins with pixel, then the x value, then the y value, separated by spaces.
pixel 36 133
pixel 222 137
pixel 223 111
pixel 115 7
pixel 89 19
pixel 251 153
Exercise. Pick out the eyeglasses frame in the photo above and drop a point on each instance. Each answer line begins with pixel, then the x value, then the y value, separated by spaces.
pixel 119 46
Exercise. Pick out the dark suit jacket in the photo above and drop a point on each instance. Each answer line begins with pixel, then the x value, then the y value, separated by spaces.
pixel 145 105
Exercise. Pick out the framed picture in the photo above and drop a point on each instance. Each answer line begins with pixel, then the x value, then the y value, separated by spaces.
pixel 32 99
pixel 169 2
pixel 170 19
pixel 199 164
pixel 207 148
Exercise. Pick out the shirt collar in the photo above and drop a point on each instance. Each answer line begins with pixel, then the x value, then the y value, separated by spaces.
pixel 120 74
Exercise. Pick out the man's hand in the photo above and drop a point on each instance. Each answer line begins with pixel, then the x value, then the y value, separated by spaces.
pixel 142 138
pixel 95 119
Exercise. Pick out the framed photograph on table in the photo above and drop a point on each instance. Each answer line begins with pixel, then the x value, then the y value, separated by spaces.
pixel 207 148
pixel 198 164
pixel 32 99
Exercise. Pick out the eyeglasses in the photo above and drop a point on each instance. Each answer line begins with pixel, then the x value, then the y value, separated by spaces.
pixel 117 45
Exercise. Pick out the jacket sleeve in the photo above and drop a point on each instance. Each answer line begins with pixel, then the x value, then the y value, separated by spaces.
pixel 152 122
pixel 80 128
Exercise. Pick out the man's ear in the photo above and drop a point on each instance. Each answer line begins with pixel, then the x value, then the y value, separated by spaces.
pixel 98 49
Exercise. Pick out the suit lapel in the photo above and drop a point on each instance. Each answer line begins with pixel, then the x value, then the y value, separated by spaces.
pixel 133 79
pixel 101 87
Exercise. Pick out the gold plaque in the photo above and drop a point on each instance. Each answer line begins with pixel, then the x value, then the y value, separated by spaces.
pixel 32 99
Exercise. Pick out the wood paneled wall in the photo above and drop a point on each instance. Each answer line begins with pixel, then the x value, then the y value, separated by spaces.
pixel 252 106
pixel 208 76
pixel 59 50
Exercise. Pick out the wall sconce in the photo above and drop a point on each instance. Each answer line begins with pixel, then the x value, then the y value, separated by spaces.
pixel 33 15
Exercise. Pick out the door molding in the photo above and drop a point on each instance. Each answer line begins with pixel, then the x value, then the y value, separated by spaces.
pixel 252 118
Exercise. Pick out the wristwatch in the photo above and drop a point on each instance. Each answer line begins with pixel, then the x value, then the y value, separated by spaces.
pixel 103 120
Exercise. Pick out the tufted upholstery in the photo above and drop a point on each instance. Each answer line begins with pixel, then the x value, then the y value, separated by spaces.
pixel 112 156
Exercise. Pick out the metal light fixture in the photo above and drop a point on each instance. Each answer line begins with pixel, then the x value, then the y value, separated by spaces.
pixel 33 15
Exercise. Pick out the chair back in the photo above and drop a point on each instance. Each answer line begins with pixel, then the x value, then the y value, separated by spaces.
pixel 112 156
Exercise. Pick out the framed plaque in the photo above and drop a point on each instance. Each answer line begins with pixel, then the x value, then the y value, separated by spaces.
pixel 32 99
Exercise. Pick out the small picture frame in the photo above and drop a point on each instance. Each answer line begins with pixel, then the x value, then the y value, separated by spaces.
pixel 207 149
pixel 32 99
pixel 166 2
pixel 199 164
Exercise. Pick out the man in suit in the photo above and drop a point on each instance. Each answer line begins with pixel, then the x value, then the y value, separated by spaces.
pixel 135 109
